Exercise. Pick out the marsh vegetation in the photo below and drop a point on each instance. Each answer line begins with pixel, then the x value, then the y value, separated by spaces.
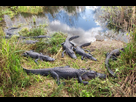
pixel 15 82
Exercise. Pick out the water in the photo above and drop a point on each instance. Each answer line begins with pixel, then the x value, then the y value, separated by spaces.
pixel 80 23
pixel 73 20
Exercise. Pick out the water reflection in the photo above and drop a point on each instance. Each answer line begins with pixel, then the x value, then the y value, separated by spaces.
pixel 75 16
pixel 85 36
pixel 84 21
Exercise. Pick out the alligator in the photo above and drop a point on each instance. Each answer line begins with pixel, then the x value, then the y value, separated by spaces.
pixel 37 56
pixel 8 31
pixel 29 41
pixel 66 72
pixel 68 47
pixel 81 52
pixel 112 55
pixel 41 36
pixel 23 37
pixel 7 37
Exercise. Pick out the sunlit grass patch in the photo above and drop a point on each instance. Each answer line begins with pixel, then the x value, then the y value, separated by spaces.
pixel 30 9
pixel 50 45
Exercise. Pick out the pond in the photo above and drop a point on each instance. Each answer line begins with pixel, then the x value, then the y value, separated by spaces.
pixel 73 20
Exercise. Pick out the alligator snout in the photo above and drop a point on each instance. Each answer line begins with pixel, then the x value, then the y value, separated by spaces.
pixel 49 59
pixel 101 75
pixel 73 56
pixel 92 58
pixel 52 59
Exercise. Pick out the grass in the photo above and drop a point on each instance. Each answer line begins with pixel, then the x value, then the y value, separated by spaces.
pixel 11 11
pixel 21 84
pixel 30 9
pixel 15 82
pixel 34 31
pixel 14 10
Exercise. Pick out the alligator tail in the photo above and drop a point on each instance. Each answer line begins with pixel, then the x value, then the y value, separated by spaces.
pixel 73 37
pixel 86 44
pixel 12 28
pixel 33 71
pixel 108 68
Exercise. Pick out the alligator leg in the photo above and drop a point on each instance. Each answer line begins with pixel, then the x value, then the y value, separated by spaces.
pixel 62 43
pixel 90 54
pixel 82 57
pixel 80 79
pixel 55 75
pixel 63 53
pixel 88 51
pixel 36 61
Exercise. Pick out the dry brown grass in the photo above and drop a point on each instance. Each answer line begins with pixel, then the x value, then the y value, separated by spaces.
pixel 127 86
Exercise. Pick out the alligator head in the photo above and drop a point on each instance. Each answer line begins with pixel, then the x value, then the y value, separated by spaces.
pixel 72 54
pixel 92 74
pixel 101 75
pixel 24 54
pixel 47 58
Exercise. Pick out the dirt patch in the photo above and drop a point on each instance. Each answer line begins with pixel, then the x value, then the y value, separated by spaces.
pixel 106 45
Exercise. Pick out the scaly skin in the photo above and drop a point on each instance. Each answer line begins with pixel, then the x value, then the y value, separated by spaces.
pixel 29 41
pixel 8 31
pixel 113 54
pixel 37 56
pixel 66 72
pixel 68 47
pixel 41 36
pixel 81 52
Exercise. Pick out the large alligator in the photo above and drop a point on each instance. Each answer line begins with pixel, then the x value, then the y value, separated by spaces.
pixel 112 55
pixel 66 72
pixel 8 31
pixel 29 41
pixel 81 52
pixel 41 36
pixel 68 47
pixel 37 56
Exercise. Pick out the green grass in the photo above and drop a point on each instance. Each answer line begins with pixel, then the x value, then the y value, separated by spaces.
pixel 50 45
pixel 15 82
pixel 13 79
pixel 30 9
pixel 34 31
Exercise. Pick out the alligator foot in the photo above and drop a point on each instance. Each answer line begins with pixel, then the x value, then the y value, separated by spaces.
pixel 62 55
pixel 82 58
pixel 90 53
pixel 85 82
